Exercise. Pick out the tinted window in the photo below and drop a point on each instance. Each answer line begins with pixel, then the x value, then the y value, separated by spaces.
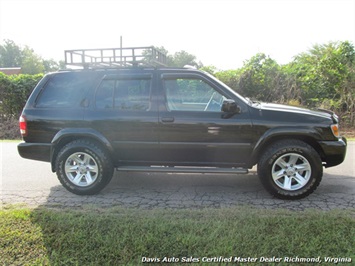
pixel 104 95
pixel 124 94
pixel 65 90
pixel 185 94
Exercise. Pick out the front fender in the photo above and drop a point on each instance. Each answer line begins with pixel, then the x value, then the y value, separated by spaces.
pixel 278 133
pixel 67 135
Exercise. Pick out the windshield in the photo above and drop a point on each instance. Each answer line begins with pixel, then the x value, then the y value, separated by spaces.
pixel 246 100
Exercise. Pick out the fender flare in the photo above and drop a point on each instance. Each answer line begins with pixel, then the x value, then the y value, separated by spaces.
pixel 76 133
pixel 274 134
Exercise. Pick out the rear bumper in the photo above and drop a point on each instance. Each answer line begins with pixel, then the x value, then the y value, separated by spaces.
pixel 334 151
pixel 35 151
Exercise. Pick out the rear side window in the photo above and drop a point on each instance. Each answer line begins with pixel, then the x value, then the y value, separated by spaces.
pixel 65 90
pixel 131 94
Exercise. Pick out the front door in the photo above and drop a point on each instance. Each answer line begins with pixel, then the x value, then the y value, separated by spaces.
pixel 192 128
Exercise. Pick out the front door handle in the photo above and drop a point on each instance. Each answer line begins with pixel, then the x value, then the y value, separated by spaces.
pixel 167 119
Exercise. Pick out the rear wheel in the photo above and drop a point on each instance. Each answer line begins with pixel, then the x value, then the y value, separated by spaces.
pixel 290 169
pixel 83 167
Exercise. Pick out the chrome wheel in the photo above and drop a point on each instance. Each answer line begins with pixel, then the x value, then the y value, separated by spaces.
pixel 291 171
pixel 81 169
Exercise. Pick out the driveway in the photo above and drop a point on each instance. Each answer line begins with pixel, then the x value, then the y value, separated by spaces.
pixel 32 183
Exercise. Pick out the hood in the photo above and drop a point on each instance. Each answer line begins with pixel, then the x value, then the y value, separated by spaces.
pixel 297 110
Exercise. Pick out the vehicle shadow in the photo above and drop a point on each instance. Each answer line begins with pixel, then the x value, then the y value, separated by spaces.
pixel 190 191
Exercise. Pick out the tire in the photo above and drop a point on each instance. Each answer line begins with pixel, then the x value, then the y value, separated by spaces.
pixel 290 169
pixel 83 167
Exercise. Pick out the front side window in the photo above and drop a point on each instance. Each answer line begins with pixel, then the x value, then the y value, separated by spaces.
pixel 124 94
pixel 187 94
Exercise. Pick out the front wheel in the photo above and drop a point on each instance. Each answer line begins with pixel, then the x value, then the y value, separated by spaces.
pixel 83 167
pixel 290 169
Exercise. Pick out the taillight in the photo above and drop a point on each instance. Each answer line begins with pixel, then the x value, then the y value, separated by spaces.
pixel 23 126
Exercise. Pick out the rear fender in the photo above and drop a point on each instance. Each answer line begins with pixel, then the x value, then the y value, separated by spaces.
pixel 67 135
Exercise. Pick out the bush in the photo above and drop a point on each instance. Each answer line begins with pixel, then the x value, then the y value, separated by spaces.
pixel 14 91
pixel 322 77
pixel 9 128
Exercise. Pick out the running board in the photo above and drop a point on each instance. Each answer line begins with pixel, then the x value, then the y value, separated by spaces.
pixel 183 169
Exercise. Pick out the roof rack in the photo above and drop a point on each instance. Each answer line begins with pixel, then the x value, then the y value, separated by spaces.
pixel 115 57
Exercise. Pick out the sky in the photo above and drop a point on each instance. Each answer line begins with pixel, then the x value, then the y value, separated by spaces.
pixel 222 33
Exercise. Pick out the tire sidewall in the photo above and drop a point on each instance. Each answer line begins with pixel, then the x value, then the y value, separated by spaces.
pixel 103 176
pixel 277 151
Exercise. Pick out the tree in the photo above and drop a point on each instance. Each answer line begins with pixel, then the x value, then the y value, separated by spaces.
pixel 179 59
pixel 51 65
pixel 10 54
pixel 326 76
pixel 322 70
pixel 261 78
pixel 322 77
pixel 31 62
pixel 230 78
pixel 183 58
pixel 209 69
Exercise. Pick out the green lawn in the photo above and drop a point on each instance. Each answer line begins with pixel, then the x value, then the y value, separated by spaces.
pixel 117 236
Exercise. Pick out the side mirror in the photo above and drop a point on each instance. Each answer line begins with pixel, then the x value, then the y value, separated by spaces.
pixel 230 106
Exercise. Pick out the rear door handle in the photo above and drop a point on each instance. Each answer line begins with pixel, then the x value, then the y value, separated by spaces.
pixel 167 119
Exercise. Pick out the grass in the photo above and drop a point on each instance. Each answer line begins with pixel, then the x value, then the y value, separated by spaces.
pixel 117 236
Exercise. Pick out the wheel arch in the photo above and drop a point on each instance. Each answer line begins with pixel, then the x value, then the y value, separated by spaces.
pixel 65 136
pixel 307 135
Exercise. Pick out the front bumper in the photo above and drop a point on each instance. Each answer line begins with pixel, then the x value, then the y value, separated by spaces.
pixel 35 151
pixel 334 151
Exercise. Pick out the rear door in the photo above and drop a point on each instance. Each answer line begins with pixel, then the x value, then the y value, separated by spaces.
pixel 192 128
pixel 125 112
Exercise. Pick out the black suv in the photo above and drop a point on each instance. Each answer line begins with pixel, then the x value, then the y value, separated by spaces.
pixel 88 122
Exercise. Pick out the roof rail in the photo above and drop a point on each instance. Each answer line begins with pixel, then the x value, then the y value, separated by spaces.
pixel 115 57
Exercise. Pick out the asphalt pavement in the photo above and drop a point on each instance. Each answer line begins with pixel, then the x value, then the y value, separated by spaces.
pixel 32 183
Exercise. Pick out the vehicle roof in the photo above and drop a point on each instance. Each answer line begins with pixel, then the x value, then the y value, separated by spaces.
pixel 130 69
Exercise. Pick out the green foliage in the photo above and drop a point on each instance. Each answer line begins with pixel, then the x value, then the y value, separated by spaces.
pixel 14 92
pixel 259 77
pixel 209 69
pixel 326 76
pixel 183 58
pixel 52 65
pixel 230 77
pixel 322 70
pixel 322 77
pixel 31 63
pixel 12 55
pixel 180 59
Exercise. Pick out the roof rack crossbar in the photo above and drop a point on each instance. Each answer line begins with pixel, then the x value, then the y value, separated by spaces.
pixel 115 57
